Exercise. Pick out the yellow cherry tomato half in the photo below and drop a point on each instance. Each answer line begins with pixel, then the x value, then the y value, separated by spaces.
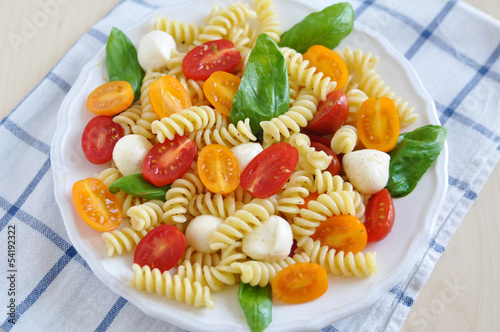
pixel 96 205
pixel 329 63
pixel 168 96
pixel 220 89
pixel 378 124
pixel 218 168
pixel 111 98
pixel 300 283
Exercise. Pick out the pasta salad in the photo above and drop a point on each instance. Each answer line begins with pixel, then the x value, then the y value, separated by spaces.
pixel 239 155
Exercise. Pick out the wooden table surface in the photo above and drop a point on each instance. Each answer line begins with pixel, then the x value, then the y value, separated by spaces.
pixel 462 294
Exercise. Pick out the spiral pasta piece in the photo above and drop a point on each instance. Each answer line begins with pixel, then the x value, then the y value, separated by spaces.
pixel 186 121
pixel 125 239
pixel 109 175
pixel 229 136
pixel 357 63
pixel 314 160
pixel 213 204
pixel 297 188
pixel 146 215
pixel 175 288
pixel 266 15
pixel 344 140
pixel 301 142
pixel 243 38
pixel 222 19
pixel 178 196
pixel 325 182
pixel 128 118
pixel 293 120
pixel 262 273
pixel 355 98
pixel 202 258
pixel 230 255
pixel 340 263
pixel 182 32
pixel 206 275
pixel 300 71
pixel 241 222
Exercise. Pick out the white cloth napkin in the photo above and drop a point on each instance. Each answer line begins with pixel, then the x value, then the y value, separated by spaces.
pixel 455 50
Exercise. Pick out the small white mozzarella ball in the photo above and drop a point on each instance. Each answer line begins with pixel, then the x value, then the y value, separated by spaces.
pixel 198 232
pixel 272 240
pixel 155 49
pixel 367 170
pixel 129 153
pixel 245 153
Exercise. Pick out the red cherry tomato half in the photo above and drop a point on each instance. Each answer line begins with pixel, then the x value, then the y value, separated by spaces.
pixel 266 174
pixel 168 161
pixel 161 248
pixel 99 138
pixel 335 166
pixel 331 114
pixel 380 215
pixel 207 58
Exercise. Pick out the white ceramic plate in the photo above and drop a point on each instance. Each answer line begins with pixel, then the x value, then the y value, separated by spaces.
pixel 396 255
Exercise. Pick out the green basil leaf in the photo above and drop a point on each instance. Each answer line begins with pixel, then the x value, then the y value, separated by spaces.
pixel 411 158
pixel 263 93
pixel 327 27
pixel 257 305
pixel 122 62
pixel 136 185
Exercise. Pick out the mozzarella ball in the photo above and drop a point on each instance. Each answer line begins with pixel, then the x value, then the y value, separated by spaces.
pixel 367 170
pixel 272 240
pixel 198 232
pixel 129 153
pixel 155 49
pixel 245 153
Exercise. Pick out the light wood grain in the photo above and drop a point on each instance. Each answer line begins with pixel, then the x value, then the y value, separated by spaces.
pixel 462 293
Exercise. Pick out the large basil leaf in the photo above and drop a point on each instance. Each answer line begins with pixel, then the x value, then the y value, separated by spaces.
pixel 257 305
pixel 327 27
pixel 411 158
pixel 136 185
pixel 263 93
pixel 122 62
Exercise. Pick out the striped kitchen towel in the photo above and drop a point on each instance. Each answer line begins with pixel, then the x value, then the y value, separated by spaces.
pixel 55 290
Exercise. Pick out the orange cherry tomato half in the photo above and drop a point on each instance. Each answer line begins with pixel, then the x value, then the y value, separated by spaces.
pixel 161 248
pixel 380 215
pixel 94 203
pixel 218 168
pixel 378 124
pixel 168 161
pixel 111 98
pixel 342 233
pixel 220 89
pixel 300 283
pixel 168 96
pixel 329 63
